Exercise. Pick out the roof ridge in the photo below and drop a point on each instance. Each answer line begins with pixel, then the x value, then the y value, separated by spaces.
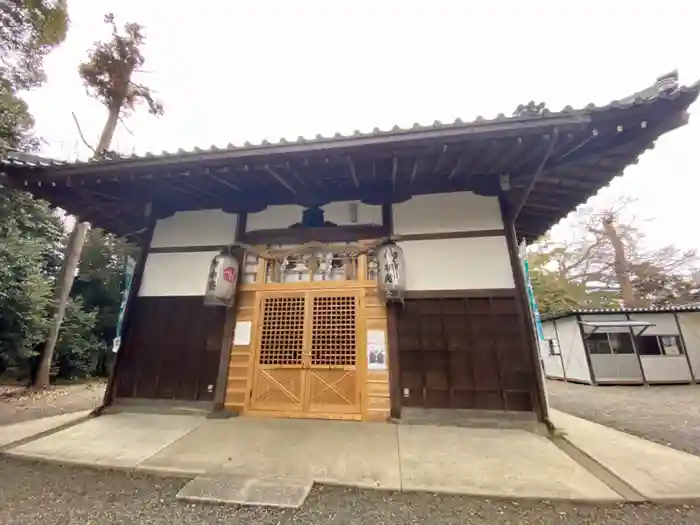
pixel 665 86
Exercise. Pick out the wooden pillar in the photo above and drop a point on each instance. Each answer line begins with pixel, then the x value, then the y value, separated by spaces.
pixel 113 380
pixel 230 322
pixel 395 392
pixel 528 336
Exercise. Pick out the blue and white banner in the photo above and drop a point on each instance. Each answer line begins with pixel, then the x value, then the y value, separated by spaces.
pixel 128 277
pixel 534 310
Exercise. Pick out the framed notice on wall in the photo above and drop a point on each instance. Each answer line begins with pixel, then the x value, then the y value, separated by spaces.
pixel 376 350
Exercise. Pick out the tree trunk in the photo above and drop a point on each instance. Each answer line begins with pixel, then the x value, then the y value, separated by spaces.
pixel 108 131
pixel 65 283
pixel 629 298
pixel 70 264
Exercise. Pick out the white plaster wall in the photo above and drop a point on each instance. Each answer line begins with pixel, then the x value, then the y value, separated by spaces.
pixel 457 264
pixel 616 368
pixel 573 351
pixel 690 329
pixel 176 274
pixel 665 368
pixel 447 212
pixel 275 217
pixel 664 323
pixel 552 363
pixel 195 228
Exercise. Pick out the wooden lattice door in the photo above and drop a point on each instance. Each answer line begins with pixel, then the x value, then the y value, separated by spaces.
pixel 332 385
pixel 279 381
pixel 307 355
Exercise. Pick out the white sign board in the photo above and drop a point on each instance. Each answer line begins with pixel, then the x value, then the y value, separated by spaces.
pixel 241 336
pixel 376 350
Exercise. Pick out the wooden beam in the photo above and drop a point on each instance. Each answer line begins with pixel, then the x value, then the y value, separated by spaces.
pixel 526 326
pixel 279 179
pixel 455 169
pixel 221 181
pixel 394 168
pixel 118 366
pixel 414 171
pixel 441 156
pixel 536 175
pixel 353 174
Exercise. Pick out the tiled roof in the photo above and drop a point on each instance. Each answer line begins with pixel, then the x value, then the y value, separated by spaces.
pixel 695 307
pixel 666 87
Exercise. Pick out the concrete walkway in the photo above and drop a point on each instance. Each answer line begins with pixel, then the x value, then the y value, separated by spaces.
pixel 656 472
pixel 605 465
pixel 17 432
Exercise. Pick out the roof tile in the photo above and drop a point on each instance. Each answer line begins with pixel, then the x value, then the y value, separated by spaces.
pixel 666 87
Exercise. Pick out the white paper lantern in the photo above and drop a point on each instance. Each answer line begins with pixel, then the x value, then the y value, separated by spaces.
pixel 223 278
pixel 392 272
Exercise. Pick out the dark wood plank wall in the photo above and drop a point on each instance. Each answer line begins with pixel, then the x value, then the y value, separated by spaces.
pixel 172 350
pixel 463 353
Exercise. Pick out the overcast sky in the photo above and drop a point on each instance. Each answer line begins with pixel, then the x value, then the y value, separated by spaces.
pixel 235 70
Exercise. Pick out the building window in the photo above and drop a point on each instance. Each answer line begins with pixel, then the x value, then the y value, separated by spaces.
pixel 614 343
pixel 659 345
pixel 554 348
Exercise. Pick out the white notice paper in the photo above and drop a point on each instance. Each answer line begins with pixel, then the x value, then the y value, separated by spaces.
pixel 376 350
pixel 241 336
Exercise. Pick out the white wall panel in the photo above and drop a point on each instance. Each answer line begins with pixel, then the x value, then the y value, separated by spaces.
pixel 195 228
pixel 176 274
pixel 457 264
pixel 447 212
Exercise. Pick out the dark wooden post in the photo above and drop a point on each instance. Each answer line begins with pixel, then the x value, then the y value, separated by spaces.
pixel 527 330
pixel 113 380
pixel 230 323
pixel 395 393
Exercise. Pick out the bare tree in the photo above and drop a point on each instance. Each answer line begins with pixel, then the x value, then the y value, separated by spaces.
pixel 606 261
pixel 108 77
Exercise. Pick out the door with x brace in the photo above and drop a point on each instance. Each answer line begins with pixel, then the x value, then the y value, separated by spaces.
pixel 306 360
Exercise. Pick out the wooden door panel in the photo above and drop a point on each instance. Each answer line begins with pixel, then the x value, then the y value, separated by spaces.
pixel 332 391
pixel 332 371
pixel 279 381
pixel 278 389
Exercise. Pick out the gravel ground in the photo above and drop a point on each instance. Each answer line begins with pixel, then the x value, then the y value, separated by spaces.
pixel 666 414
pixel 46 494
pixel 20 404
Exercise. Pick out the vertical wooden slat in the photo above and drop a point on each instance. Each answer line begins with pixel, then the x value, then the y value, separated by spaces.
pixel 499 358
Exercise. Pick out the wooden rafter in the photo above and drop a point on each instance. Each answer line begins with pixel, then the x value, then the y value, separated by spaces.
pixel 536 175
pixel 353 174
pixel 394 170
pixel 441 156
pixel 414 171
pixel 280 179
pixel 455 168
pixel 208 172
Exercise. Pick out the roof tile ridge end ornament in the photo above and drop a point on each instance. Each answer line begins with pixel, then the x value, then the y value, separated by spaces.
pixel 663 85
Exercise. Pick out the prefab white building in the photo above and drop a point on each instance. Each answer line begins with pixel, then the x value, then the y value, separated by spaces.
pixel 623 346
